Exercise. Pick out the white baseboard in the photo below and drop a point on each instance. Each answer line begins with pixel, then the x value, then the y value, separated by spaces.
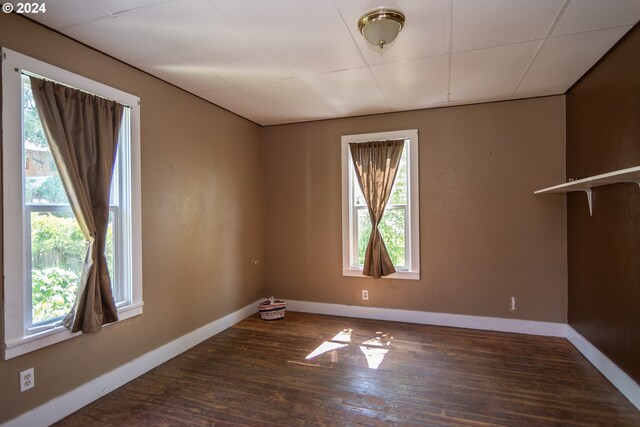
pixel 428 318
pixel 610 370
pixel 68 403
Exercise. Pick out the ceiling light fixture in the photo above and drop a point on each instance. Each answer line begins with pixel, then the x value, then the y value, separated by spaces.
pixel 381 27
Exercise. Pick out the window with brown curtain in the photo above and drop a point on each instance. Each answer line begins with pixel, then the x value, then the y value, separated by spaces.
pixel 369 162
pixel 376 165
pixel 82 131
pixel 72 235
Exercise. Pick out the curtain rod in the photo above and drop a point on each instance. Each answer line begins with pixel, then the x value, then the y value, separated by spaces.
pixel 37 76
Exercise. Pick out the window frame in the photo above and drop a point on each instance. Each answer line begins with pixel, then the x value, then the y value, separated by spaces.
pixel 127 215
pixel 412 211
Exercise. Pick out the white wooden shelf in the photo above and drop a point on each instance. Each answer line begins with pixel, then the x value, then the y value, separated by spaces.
pixel 586 184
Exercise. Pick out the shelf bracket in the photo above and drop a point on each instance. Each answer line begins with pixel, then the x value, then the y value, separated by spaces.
pixel 590 200
pixel 590 195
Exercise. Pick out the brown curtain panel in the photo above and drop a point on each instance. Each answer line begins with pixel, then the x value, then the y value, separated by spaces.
pixel 376 165
pixel 82 131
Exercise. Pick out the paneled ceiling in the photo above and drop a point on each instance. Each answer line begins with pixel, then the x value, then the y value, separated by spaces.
pixel 284 61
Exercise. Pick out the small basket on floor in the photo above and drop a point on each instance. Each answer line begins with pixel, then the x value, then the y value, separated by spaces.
pixel 272 309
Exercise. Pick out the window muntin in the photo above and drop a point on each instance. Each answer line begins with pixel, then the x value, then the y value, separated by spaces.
pixel 26 168
pixel 400 224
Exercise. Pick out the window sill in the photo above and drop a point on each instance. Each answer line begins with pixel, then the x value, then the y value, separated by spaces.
pixel 402 275
pixel 31 342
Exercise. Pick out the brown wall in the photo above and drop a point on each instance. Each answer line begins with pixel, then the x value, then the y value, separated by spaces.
pixel 201 220
pixel 603 135
pixel 484 236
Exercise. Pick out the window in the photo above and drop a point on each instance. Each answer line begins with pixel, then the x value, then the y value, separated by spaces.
pixel 44 248
pixel 400 223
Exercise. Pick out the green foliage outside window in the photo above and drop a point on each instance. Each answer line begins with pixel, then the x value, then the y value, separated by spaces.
pixel 58 249
pixel 49 191
pixel 54 291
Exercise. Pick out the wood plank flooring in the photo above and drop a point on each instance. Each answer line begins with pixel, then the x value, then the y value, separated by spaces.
pixel 257 373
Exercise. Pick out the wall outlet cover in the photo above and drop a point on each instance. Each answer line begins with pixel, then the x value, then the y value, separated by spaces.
pixel 27 379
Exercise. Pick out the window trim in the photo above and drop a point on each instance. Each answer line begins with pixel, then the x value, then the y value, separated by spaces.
pixel 16 340
pixel 413 203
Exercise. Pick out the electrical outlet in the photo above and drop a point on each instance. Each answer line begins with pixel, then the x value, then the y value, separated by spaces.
pixel 513 303
pixel 27 379
pixel 365 294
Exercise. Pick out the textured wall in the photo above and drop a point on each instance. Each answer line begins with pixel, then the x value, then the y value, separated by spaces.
pixel 603 135
pixel 201 221
pixel 484 236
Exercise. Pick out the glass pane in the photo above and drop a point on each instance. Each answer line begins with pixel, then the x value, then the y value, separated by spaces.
pixel 57 253
pixel 399 192
pixel 42 182
pixel 393 224
pixel 357 192
pixel 393 233
pixel 392 230
pixel 113 191
pixel 364 231
pixel 110 254
pixel 57 245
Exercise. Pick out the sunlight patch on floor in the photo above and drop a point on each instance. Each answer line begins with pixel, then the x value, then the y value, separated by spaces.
pixel 325 347
pixel 374 355
pixel 343 336
pixel 374 349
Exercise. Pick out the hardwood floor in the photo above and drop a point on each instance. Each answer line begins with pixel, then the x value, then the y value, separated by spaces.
pixel 258 373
